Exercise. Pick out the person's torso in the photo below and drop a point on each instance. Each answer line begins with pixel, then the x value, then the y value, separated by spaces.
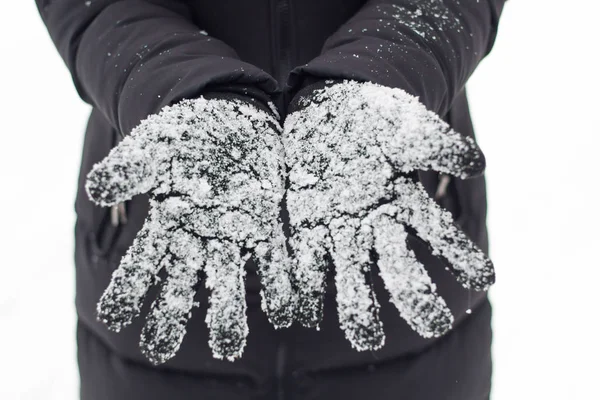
pixel 275 35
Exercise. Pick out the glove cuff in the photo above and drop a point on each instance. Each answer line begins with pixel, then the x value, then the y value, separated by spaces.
pixel 305 95
pixel 247 94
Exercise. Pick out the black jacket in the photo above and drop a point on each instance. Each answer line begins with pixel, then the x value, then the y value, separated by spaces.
pixel 130 58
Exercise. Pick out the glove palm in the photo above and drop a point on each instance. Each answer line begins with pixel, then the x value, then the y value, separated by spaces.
pixel 349 149
pixel 214 172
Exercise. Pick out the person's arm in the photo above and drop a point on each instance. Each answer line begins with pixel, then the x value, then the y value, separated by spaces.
pixel 427 48
pixel 131 58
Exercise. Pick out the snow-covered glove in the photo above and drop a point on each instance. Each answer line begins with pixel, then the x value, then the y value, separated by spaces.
pixel 214 171
pixel 352 150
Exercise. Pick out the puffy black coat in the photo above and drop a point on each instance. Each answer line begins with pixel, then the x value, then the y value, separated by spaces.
pixel 129 58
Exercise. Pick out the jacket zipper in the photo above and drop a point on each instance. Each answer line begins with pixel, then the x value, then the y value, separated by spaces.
pixel 118 213
pixel 442 187
pixel 108 227
pixel 280 370
pixel 283 20
pixel 283 38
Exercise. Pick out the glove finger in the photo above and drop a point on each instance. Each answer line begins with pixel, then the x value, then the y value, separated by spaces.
pixel 226 315
pixel 436 227
pixel 128 170
pixel 358 309
pixel 166 323
pixel 123 298
pixel 309 267
pixel 427 142
pixel 407 281
pixel 278 297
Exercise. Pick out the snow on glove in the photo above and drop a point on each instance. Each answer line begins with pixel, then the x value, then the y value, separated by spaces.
pixel 350 148
pixel 214 171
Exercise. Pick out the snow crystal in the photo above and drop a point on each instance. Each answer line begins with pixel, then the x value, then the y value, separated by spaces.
pixel 425 18
pixel 215 173
pixel 349 150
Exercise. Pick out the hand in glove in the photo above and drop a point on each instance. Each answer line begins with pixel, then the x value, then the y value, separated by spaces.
pixel 215 176
pixel 350 149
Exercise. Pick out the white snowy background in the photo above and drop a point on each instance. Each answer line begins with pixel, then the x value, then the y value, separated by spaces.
pixel 536 107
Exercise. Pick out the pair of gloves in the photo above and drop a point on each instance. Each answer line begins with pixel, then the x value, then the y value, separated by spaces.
pixel 217 170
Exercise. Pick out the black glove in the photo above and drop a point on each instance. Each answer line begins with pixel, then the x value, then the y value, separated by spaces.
pixel 214 171
pixel 350 148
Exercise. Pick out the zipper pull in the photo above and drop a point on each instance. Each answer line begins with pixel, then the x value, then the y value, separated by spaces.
pixel 118 215
pixel 442 187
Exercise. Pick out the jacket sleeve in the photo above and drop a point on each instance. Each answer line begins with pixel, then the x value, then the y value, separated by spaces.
pixel 428 48
pixel 130 58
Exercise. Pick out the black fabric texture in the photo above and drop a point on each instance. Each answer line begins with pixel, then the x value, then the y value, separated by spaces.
pixel 128 59
pixel 429 374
